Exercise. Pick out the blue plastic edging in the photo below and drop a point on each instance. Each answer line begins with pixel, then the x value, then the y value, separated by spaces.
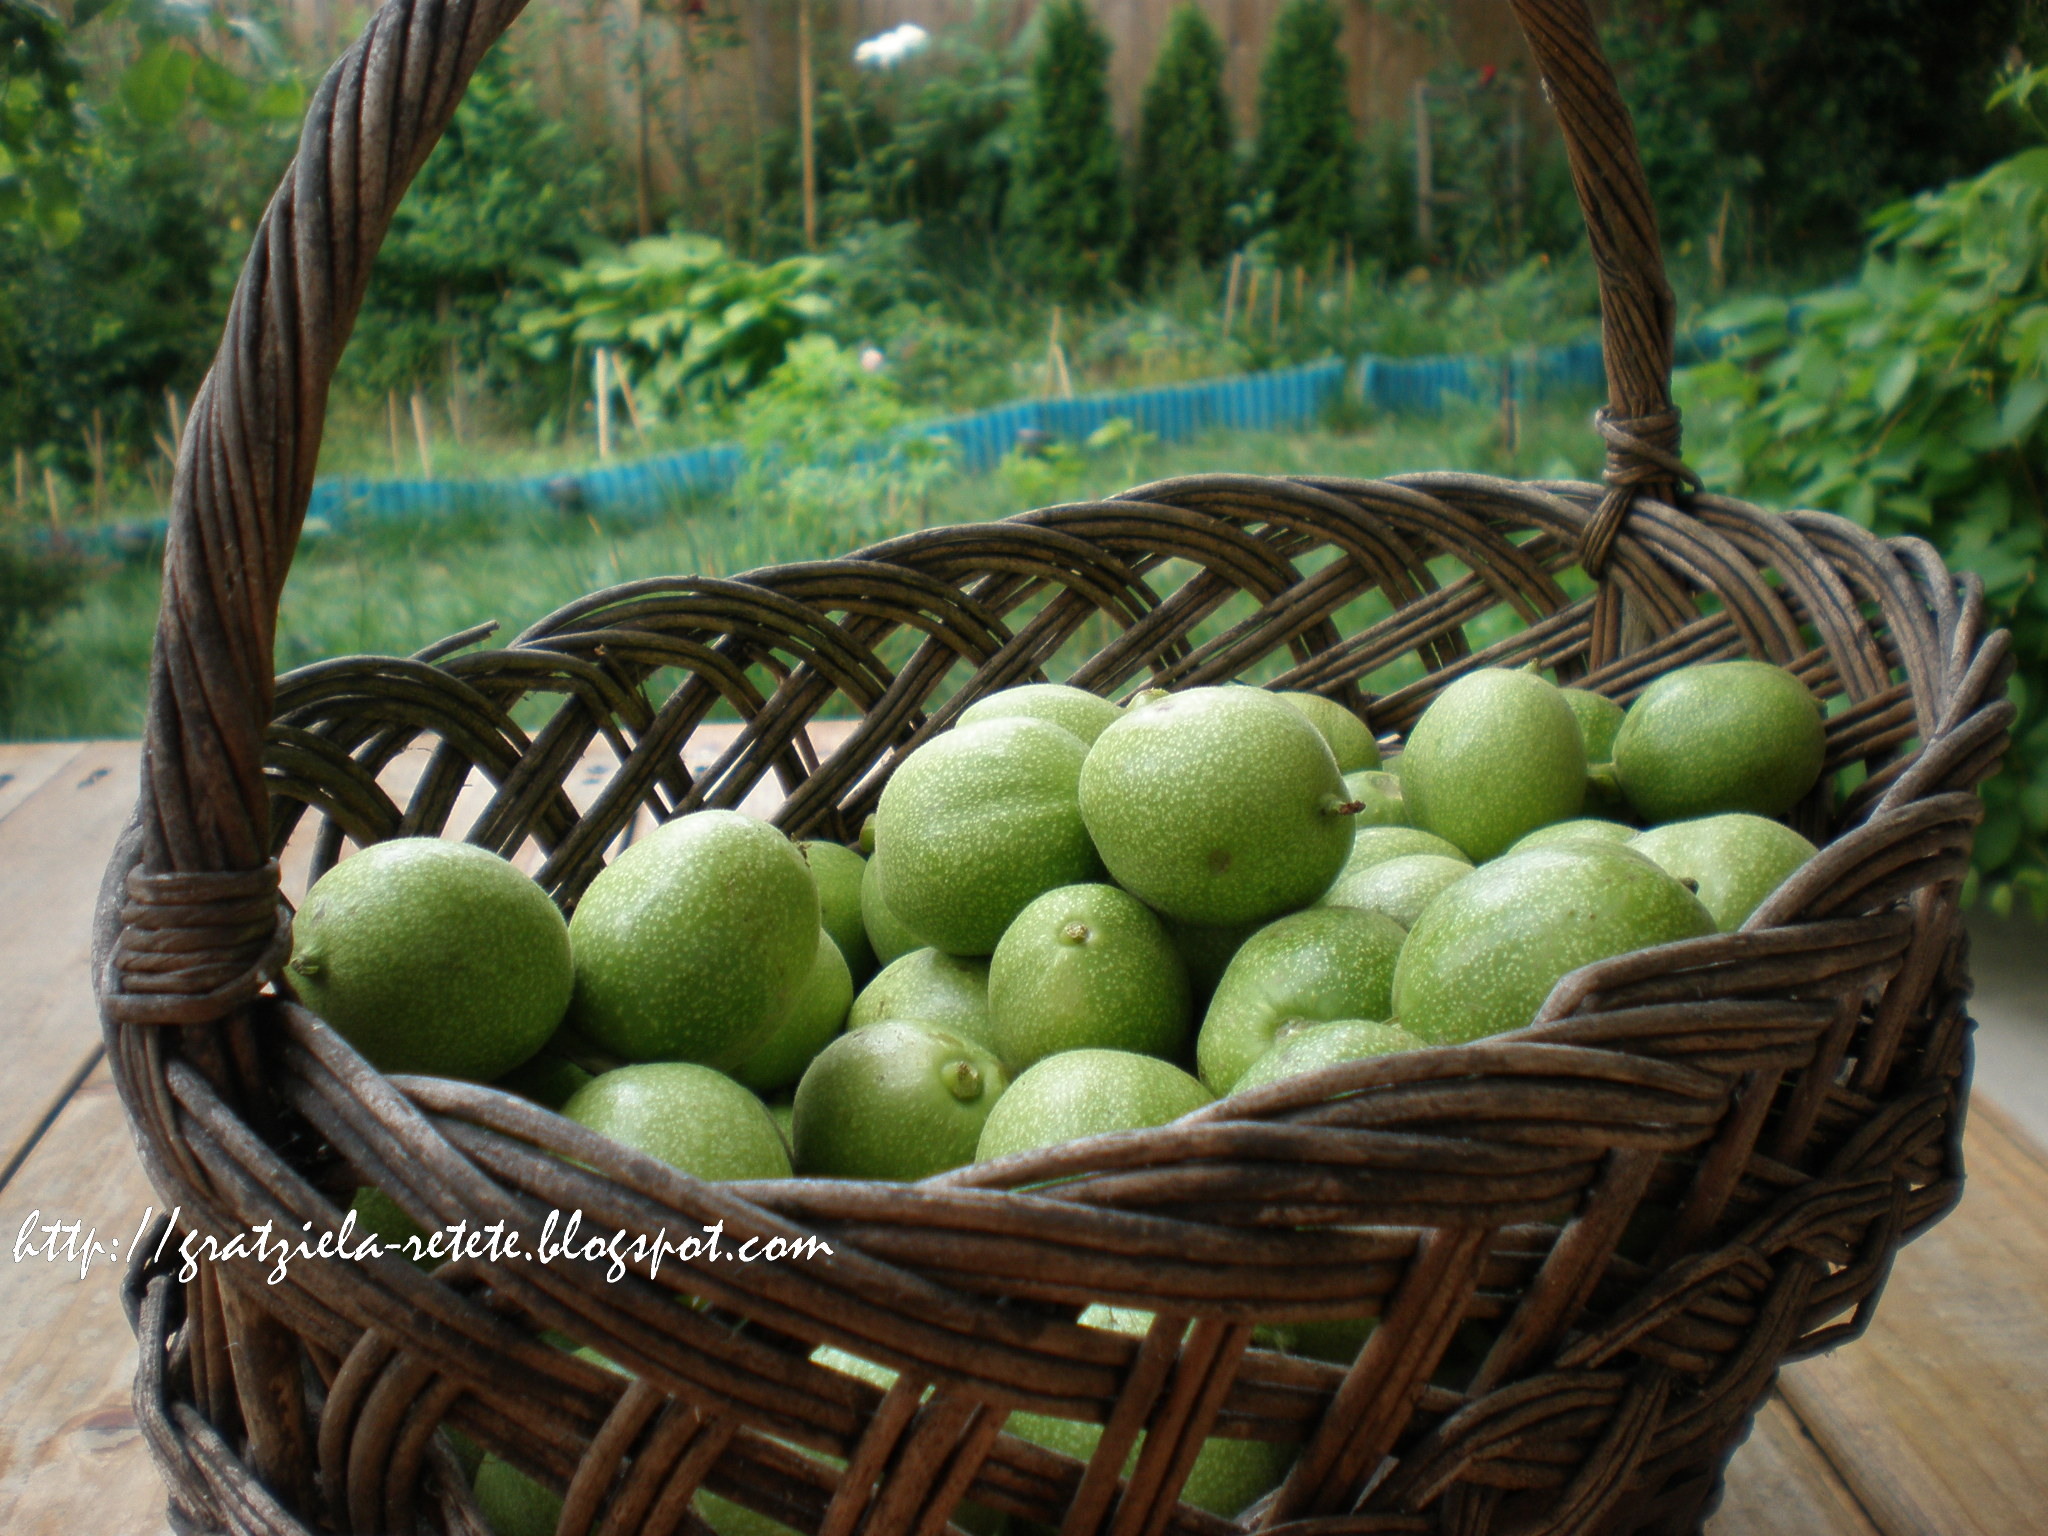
pixel 1244 402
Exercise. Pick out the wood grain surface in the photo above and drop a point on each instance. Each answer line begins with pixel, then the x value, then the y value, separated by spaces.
pixel 53 846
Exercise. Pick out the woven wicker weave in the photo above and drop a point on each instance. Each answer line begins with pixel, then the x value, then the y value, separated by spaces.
pixel 1694 1165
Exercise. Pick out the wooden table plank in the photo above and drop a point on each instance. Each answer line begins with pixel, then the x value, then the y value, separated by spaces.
pixel 27 765
pixel 54 848
pixel 1779 1484
pixel 1938 1416
pixel 71 1457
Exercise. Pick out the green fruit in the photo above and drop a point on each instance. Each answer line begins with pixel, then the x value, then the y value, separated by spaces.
pixel 1486 953
pixel 1604 798
pixel 1227 1474
pixel 1217 806
pixel 1377 794
pixel 1087 1093
pixel 977 822
pixel 815 1015
pixel 432 957
pixel 975 1519
pixel 1580 829
pixel 512 1503
pixel 1496 755
pixel 926 987
pixel 894 1101
pixel 1376 845
pixel 1350 742
pixel 840 874
pixel 1082 966
pixel 1311 1047
pixel 1398 888
pixel 1325 963
pixel 1205 952
pixel 380 1216
pixel 547 1078
pixel 1599 718
pixel 687 1115
pixel 1727 736
pixel 692 943
pixel 1734 861
pixel 887 936
pixel 1086 714
pixel 730 1519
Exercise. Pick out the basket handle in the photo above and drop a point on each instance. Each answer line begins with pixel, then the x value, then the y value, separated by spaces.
pixel 245 468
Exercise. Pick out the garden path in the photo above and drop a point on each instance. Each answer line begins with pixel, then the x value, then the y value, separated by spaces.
pixel 1936 1421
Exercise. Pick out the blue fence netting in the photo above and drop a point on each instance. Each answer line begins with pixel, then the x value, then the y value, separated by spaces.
pixel 651 487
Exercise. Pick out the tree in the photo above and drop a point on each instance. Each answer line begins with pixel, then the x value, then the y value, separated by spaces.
pixel 1886 96
pixel 1305 159
pixel 1182 178
pixel 1068 213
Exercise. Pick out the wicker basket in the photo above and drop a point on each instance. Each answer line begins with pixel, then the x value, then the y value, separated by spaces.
pixel 1694 1165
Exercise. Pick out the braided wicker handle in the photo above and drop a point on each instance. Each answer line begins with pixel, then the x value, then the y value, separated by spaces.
pixel 245 469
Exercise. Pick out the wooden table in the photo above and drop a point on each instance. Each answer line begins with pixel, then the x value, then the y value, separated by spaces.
pixel 1934 1424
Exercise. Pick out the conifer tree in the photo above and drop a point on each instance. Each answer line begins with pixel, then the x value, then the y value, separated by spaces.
pixel 1067 210
pixel 1306 157
pixel 1182 178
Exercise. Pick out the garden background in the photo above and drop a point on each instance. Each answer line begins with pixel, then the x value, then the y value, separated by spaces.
pixel 809 230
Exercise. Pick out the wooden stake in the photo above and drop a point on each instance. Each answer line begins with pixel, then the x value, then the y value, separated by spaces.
pixel 1425 180
pixel 1279 288
pixel 455 422
pixel 643 196
pixel 600 360
pixel 163 446
pixel 1717 242
pixel 1052 353
pixel 1230 291
pixel 805 126
pixel 21 482
pixel 626 394
pixel 1350 277
pixel 391 420
pixel 1300 290
pixel 56 509
pixel 177 409
pixel 1251 301
pixel 419 432
pixel 96 448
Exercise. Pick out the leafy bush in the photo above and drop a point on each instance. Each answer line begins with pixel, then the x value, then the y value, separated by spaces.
pixel 1915 401
pixel 688 318
pixel 505 190
pixel 41 135
pixel 1181 182
pixel 1305 156
pixel 1067 207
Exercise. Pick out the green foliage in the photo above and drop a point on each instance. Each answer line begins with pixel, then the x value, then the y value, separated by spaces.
pixel 36 584
pixel 688 318
pixel 1803 117
pixel 505 191
pixel 41 136
pixel 1305 158
pixel 1181 182
pixel 1067 208
pixel 1912 400
pixel 934 152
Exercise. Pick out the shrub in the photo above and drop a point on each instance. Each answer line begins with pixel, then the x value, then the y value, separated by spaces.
pixel 1304 159
pixel 1915 401
pixel 36 584
pixel 687 318
pixel 505 190
pixel 1181 182
pixel 1067 207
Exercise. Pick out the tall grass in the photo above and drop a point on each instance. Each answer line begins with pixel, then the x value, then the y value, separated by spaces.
pixel 392 590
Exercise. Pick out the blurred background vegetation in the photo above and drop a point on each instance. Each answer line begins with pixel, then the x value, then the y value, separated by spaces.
pixel 1008 199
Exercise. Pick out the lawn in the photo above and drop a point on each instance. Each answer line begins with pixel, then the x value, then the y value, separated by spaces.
pixel 394 589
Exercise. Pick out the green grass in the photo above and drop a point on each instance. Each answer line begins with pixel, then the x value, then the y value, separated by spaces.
pixel 393 590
